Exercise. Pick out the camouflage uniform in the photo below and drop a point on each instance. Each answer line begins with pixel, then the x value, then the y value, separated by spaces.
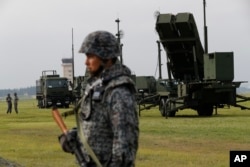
pixel 16 102
pixel 9 102
pixel 108 115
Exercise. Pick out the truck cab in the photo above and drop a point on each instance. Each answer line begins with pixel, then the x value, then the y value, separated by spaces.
pixel 52 90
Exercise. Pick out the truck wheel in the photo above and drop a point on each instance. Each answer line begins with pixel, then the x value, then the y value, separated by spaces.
pixel 162 107
pixel 40 104
pixel 168 108
pixel 45 103
pixel 205 110
pixel 172 114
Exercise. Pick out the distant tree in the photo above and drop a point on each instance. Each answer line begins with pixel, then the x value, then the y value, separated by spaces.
pixel 31 91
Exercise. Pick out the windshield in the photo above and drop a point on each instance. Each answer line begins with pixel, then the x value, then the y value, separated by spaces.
pixel 57 83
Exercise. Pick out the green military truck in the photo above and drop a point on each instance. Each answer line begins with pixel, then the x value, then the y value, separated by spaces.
pixel 52 90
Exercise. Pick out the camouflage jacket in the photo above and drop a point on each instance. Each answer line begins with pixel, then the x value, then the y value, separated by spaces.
pixel 9 99
pixel 16 99
pixel 109 118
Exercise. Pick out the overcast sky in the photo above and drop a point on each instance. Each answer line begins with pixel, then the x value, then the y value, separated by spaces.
pixel 36 34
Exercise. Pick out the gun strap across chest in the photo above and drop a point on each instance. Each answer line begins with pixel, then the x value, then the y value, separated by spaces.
pixel 79 127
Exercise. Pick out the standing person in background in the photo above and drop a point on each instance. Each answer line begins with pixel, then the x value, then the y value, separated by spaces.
pixel 16 102
pixel 9 103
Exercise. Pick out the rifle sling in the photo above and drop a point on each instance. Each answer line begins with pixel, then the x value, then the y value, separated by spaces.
pixel 79 127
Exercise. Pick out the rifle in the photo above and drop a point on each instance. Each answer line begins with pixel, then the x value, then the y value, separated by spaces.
pixel 74 144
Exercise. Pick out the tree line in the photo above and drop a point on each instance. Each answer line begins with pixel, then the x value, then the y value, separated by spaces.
pixel 28 91
pixel 31 91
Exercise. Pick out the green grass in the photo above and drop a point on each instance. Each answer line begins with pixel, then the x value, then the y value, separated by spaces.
pixel 30 137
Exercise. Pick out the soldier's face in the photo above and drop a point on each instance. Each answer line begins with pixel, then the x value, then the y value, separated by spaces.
pixel 93 63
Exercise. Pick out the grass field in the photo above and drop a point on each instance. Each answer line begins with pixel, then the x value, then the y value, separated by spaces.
pixel 30 137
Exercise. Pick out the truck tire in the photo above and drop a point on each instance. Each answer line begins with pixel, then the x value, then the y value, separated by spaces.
pixel 168 108
pixel 205 110
pixel 172 114
pixel 45 103
pixel 40 104
pixel 162 107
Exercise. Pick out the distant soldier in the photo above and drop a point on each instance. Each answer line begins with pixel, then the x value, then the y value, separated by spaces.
pixel 9 103
pixel 16 102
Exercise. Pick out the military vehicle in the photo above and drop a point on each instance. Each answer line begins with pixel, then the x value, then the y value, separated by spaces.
pixel 204 80
pixel 79 86
pixel 153 92
pixel 52 90
pixel 197 80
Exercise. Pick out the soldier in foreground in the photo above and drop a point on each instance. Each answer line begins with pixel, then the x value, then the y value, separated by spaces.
pixel 107 118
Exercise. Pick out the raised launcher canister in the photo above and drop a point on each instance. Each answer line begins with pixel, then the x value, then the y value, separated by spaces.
pixel 180 39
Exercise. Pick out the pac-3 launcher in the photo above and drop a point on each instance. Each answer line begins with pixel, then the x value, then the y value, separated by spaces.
pixel 204 80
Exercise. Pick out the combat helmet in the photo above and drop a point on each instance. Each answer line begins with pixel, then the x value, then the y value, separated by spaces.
pixel 102 44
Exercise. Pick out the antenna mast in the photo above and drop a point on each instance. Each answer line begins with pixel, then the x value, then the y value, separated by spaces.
pixel 159 58
pixel 73 61
pixel 205 28
pixel 119 39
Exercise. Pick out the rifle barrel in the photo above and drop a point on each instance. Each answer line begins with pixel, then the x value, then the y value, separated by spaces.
pixel 57 117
